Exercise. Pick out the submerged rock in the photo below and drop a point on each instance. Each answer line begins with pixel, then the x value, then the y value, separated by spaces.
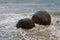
pixel 42 18
pixel 25 24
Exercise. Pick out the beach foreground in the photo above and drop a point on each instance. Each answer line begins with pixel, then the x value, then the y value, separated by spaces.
pixel 8 30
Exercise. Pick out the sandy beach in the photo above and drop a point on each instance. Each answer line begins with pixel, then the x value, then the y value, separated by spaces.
pixel 8 30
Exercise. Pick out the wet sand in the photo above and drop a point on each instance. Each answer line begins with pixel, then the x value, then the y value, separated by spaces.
pixel 8 29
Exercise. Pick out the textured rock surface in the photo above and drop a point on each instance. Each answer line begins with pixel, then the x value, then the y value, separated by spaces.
pixel 42 18
pixel 25 23
pixel 8 29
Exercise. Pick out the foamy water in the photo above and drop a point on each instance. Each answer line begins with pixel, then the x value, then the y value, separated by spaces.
pixel 8 29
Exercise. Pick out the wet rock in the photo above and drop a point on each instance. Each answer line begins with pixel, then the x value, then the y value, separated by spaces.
pixel 25 24
pixel 42 18
pixel 57 21
pixel 23 39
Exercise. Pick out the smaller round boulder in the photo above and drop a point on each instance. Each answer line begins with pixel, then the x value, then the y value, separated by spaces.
pixel 42 18
pixel 25 24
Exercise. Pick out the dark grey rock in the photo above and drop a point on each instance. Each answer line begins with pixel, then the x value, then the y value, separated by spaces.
pixel 42 18
pixel 25 24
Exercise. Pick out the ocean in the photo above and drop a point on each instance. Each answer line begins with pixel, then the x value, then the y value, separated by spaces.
pixel 29 6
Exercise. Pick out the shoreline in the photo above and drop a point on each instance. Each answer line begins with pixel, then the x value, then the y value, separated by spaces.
pixel 8 30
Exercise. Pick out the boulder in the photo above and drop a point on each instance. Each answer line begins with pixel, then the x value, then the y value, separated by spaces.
pixel 25 24
pixel 42 18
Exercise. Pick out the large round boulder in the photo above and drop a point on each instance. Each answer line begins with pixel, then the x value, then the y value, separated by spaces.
pixel 42 18
pixel 25 24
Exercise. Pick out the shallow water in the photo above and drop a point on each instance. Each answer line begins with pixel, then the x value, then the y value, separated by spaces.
pixel 28 7
pixel 8 30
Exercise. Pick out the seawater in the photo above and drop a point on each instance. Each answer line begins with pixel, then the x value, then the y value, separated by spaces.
pixel 28 6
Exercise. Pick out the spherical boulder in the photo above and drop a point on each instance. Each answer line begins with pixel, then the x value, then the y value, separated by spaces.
pixel 42 18
pixel 25 24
